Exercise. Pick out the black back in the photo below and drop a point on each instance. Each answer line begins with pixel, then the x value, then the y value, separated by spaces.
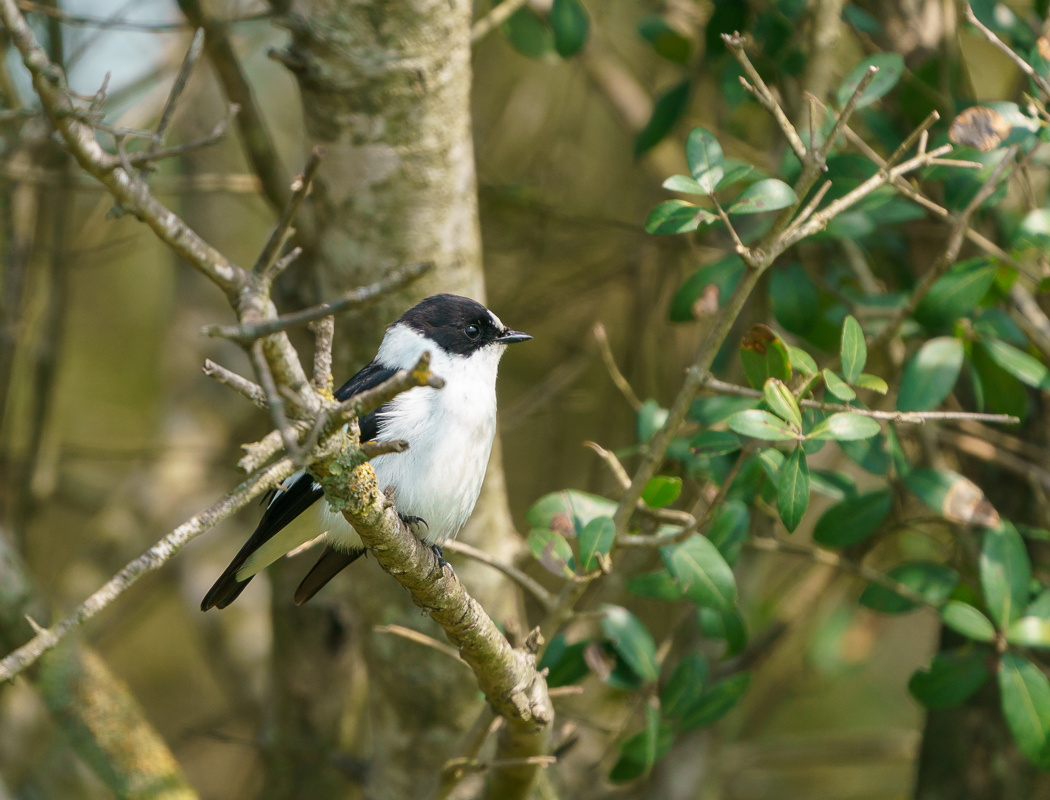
pixel 287 504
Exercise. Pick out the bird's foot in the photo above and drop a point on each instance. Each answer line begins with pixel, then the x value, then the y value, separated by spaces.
pixel 413 522
pixel 441 560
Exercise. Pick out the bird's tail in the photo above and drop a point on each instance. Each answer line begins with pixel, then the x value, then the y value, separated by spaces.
pixel 331 562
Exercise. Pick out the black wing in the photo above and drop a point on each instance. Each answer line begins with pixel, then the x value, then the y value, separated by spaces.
pixel 288 504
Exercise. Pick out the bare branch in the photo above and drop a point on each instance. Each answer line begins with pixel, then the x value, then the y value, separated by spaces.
pixel 149 561
pixel 300 189
pixel 352 300
pixel 246 388
pixel 274 401
pixel 1026 68
pixel 421 638
pixel 375 449
pixel 614 371
pixel 148 156
pixel 912 417
pixel 545 598
pixel 324 334
pixel 175 94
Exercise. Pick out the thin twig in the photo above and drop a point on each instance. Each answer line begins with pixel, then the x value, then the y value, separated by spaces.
pixel 300 189
pixel 912 417
pixel 149 561
pixel 148 156
pixel 353 300
pixel 127 25
pixel 421 638
pixel 1026 68
pixel 545 598
pixel 246 388
pixel 375 449
pixel 193 53
pixel 614 371
pixel 274 401
pixel 951 249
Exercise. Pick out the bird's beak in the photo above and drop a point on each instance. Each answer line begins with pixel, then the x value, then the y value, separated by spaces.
pixel 511 337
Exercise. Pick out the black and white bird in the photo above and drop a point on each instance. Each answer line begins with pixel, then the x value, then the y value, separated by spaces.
pixel 436 481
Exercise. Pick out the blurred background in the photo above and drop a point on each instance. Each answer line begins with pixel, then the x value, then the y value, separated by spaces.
pixel 111 435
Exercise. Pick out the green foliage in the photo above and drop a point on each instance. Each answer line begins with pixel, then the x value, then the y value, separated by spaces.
pixel 767 195
pixel 1025 694
pixel 665 40
pixel 706 162
pixel 930 376
pixel 853 520
pixel 951 679
pixel 662 491
pixel 845 426
pixel 716 702
pixel 1005 574
pixel 956 293
pixel 668 109
pixel 701 572
pixel 931 581
pixel 631 641
pixel 890 67
pixel 571 26
pixel 596 538
pixel 553 552
pixel 853 351
pixel 529 33
pixel 760 424
pixel 793 489
pixel 565 661
pixel 965 619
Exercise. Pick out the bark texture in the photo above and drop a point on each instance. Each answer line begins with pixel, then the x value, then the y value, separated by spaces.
pixel 386 92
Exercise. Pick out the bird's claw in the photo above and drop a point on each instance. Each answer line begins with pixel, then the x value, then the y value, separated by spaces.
pixel 442 563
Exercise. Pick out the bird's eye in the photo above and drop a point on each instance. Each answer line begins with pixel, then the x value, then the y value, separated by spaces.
pixel 472 331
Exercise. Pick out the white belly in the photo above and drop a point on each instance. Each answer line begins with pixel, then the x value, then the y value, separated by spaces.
pixel 449 434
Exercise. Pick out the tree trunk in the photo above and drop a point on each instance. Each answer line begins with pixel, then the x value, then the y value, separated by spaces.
pixel 387 93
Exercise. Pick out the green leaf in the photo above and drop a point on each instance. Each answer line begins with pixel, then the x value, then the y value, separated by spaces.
pixel 726 625
pixel 635 751
pixel 1022 366
pixel 1005 574
pixel 766 195
pixel 528 33
pixel 565 661
pixel 802 361
pixel 571 26
pixel 930 376
pixel 967 620
pixel 1029 632
pixel 930 580
pixel 845 426
pixel 568 511
pixel 676 216
pixel 1025 694
pixel 714 443
pixel 853 520
pixel 651 417
pixel 667 110
pixel 729 529
pixel 666 41
pixel 701 572
pixel 734 174
pixel 951 679
pixel 631 640
pixel 838 387
pixel 716 702
pixel 652 733
pixel 890 66
pixel 553 552
pixel 760 425
pixel 764 356
pixel 956 293
pixel 685 686
pixel 995 389
pixel 662 491
pixel 656 585
pixel 685 184
pixel 853 350
pixel 953 496
pixel 793 489
pixel 795 300
pixel 781 402
pixel 871 382
pixel 704 154
pixel 596 537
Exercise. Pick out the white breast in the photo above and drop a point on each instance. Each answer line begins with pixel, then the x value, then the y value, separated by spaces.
pixel 449 432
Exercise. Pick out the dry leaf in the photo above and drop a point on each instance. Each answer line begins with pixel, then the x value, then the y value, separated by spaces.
pixel 1044 47
pixel 981 128
pixel 757 338
pixel 965 502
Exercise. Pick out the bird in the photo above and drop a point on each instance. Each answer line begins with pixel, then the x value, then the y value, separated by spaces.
pixel 435 482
